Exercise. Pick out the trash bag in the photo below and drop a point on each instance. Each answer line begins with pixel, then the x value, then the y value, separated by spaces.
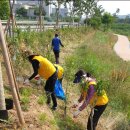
pixel 59 90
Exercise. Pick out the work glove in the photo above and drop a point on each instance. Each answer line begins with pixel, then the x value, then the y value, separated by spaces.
pixel 37 77
pixel 76 103
pixel 76 113
pixel 26 82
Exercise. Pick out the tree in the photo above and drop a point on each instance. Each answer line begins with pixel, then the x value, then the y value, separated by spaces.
pixel 107 20
pixel 85 7
pixel 127 19
pixel 95 22
pixel 115 14
pixel 57 4
pixel 37 11
pixel 4 9
pixel 96 16
pixel 98 11
pixel 21 12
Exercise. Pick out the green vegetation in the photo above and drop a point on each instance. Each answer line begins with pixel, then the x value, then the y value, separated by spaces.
pixel 4 9
pixel 41 100
pixel 67 123
pixel 121 28
pixel 42 118
pixel 94 50
pixel 99 59
pixel 21 12
pixel 25 94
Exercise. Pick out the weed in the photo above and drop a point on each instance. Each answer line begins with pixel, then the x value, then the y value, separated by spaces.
pixel 42 118
pixel 24 100
pixel 41 100
pixel 26 91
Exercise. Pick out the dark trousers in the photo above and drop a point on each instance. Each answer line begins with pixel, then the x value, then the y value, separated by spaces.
pixel 56 53
pixel 49 88
pixel 98 110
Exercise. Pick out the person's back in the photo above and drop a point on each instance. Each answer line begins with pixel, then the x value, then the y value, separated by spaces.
pixel 46 68
pixel 56 43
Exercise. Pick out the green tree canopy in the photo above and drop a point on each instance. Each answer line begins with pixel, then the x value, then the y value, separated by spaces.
pixel 107 20
pixel 4 9
pixel 21 12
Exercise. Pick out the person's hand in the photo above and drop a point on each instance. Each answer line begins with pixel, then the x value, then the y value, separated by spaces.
pixel 37 77
pixel 26 82
pixel 75 104
pixel 76 113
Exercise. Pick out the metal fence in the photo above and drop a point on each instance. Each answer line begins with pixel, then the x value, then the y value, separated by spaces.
pixel 34 25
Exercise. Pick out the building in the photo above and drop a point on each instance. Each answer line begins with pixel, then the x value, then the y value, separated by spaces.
pixel 62 11
pixel 30 5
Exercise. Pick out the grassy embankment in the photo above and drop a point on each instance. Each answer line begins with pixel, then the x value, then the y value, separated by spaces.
pixel 90 50
pixel 96 55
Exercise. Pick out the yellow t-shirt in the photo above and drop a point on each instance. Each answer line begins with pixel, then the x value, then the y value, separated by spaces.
pixel 46 68
pixel 60 71
pixel 95 100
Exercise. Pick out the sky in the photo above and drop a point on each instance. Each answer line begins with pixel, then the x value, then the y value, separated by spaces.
pixel 112 5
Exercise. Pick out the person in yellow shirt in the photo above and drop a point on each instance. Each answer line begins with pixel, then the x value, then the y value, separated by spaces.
pixel 90 96
pixel 60 72
pixel 46 70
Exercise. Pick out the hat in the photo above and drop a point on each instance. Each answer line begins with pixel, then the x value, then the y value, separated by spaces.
pixel 79 75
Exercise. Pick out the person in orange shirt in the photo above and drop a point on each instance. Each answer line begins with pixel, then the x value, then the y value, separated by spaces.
pixel 89 95
pixel 45 69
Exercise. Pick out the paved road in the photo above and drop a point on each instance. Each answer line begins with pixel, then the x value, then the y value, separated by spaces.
pixel 122 47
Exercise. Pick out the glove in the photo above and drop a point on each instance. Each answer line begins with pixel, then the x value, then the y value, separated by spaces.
pixel 76 103
pixel 26 82
pixel 76 113
pixel 37 77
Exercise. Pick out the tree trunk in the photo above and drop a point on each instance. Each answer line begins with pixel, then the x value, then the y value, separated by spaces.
pixel 2 96
pixel 40 16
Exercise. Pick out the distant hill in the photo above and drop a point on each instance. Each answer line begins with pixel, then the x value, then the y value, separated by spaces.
pixel 123 16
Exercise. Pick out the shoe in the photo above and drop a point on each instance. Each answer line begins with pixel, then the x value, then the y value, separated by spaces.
pixel 54 108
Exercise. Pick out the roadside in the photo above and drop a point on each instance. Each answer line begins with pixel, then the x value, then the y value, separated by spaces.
pixel 122 47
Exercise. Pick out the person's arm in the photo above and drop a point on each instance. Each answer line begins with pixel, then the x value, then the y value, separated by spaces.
pixel 80 98
pixel 35 65
pixel 90 94
pixel 52 44
pixel 61 43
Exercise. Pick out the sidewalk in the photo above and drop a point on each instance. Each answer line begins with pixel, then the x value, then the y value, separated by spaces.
pixel 122 47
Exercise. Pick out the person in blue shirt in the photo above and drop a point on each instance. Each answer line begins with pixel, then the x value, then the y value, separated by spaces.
pixel 56 43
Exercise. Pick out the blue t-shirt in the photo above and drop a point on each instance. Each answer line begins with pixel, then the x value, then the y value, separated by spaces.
pixel 56 42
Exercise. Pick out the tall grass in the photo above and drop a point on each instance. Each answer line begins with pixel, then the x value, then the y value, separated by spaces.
pixel 96 56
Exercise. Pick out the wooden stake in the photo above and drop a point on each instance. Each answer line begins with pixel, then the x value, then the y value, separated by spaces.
pixel 16 85
pixel 10 75
pixel 2 96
